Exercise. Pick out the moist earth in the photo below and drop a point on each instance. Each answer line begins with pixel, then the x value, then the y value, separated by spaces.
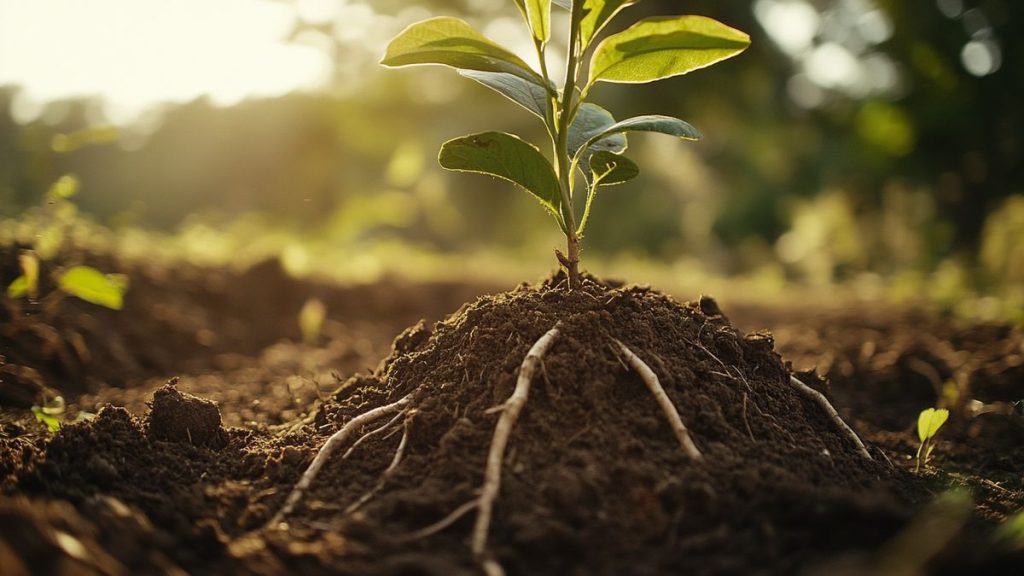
pixel 594 481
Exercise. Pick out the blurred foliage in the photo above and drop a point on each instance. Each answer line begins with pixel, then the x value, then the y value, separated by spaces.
pixel 871 142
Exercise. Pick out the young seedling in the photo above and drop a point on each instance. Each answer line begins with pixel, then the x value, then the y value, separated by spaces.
pixel 83 282
pixel 587 145
pixel 928 424
pixel 585 138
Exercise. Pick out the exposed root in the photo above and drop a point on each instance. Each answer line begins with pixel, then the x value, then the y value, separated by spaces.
pixel 399 452
pixel 669 409
pixel 492 473
pixel 371 434
pixel 831 411
pixel 444 522
pixel 336 440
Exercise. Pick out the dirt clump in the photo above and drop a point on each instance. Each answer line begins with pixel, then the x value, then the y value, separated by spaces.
pixel 176 416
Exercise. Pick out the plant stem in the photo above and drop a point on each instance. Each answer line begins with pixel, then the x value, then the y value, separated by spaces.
pixel 567 109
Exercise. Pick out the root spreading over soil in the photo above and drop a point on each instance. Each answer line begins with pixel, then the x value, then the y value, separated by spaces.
pixel 595 477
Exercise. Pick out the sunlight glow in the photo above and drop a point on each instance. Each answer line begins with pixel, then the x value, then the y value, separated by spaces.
pixel 134 54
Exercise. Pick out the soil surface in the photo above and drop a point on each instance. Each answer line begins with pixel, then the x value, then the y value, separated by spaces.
pixel 192 413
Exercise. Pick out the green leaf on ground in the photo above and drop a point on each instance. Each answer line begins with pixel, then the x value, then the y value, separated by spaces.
pixel 94 286
pixel 657 48
pixel 929 422
pixel 507 157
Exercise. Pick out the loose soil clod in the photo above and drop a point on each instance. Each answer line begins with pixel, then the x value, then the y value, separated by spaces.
pixel 177 416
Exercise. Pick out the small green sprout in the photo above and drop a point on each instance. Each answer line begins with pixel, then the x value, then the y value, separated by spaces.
pixel 311 320
pixel 928 424
pixel 1011 532
pixel 83 282
pixel 48 413
pixel 585 138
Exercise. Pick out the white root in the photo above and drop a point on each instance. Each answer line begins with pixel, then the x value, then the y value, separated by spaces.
pixel 399 452
pixel 654 385
pixel 509 414
pixel 832 413
pixel 336 440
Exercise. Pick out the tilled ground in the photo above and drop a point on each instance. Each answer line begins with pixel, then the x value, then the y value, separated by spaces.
pixel 143 488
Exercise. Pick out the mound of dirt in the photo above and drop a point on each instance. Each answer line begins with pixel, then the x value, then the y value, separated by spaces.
pixel 176 416
pixel 594 480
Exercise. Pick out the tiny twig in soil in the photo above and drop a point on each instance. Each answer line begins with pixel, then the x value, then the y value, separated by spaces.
pixel 444 522
pixel 654 385
pixel 831 411
pixel 502 431
pixel 745 421
pixel 332 443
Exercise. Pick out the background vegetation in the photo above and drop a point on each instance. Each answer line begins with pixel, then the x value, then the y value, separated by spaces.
pixel 873 144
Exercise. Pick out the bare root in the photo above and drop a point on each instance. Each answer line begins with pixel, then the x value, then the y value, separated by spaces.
pixel 336 440
pixel 395 461
pixel 832 413
pixel 510 410
pixel 654 385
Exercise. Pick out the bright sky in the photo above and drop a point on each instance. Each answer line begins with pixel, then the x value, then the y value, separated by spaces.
pixel 137 53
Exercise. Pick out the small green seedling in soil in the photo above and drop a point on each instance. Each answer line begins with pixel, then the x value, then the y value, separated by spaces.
pixel 83 282
pixel 584 137
pixel 48 413
pixel 928 424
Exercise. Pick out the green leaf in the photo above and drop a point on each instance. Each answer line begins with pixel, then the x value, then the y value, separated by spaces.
pixel 65 187
pixel 597 14
pixel 95 287
pixel 452 42
pixel 28 283
pixel 650 123
pixel 507 157
pixel 929 422
pixel 538 16
pixel 657 48
pixel 18 288
pixel 592 120
pixel 51 422
pixel 528 93
pixel 609 169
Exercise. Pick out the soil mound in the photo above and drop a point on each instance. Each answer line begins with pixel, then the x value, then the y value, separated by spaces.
pixel 180 417
pixel 594 481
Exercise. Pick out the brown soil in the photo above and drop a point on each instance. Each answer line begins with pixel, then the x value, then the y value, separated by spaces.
pixel 594 481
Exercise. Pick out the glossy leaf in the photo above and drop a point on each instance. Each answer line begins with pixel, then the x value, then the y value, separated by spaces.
pixel 929 422
pixel 507 157
pixel 652 123
pixel 538 16
pixel 657 48
pixel 452 42
pixel 528 93
pixel 592 120
pixel 597 14
pixel 609 169
pixel 94 286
